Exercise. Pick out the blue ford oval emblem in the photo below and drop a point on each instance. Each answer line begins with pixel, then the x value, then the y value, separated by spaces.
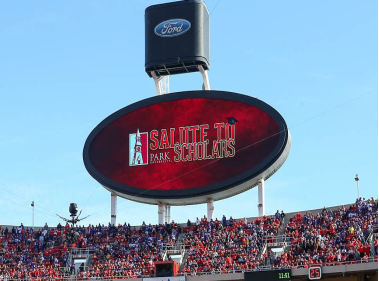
pixel 174 27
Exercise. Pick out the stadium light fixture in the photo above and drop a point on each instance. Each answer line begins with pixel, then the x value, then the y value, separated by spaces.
pixel 357 180
pixel 32 205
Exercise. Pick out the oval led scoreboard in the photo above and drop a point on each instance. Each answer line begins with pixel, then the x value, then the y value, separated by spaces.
pixel 187 147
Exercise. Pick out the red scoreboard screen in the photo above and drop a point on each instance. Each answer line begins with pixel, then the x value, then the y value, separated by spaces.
pixel 184 145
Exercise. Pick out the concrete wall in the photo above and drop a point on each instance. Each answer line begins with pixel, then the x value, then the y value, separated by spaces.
pixel 349 272
pixel 340 269
pixel 216 277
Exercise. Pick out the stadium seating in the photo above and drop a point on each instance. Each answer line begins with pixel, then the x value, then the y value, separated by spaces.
pixel 330 237
pixel 227 246
pixel 126 252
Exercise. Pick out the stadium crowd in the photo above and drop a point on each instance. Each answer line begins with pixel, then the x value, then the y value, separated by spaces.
pixel 116 251
pixel 228 245
pixel 25 253
pixel 127 252
pixel 330 237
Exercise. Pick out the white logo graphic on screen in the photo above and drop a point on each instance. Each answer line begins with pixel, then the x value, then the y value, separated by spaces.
pixel 138 145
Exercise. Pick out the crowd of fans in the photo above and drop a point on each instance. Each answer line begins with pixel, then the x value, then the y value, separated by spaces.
pixel 25 253
pixel 330 237
pixel 120 251
pixel 228 245
pixel 126 252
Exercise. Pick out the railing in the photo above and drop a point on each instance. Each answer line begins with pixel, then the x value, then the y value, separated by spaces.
pixel 375 228
pixel 177 249
pixel 77 252
pixel 369 237
pixel 64 271
pixel 262 251
pixel 277 241
pixel 259 268
pixel 74 278
pixel 266 268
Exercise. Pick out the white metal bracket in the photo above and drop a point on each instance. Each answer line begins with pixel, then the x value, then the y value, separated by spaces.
pixel 162 83
pixel 204 73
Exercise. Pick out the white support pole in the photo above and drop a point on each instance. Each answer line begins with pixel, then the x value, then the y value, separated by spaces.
pixel 204 73
pixel 165 213
pixel 261 197
pixel 168 213
pixel 165 84
pixel 113 208
pixel 210 209
pixel 157 80
pixel 160 213
pixel 162 83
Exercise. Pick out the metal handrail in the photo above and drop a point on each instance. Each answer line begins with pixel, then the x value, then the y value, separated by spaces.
pixel 259 268
pixel 177 247
pixel 74 278
pixel 180 247
pixel 266 268
pixel 278 238
pixel 80 251
pixel 369 237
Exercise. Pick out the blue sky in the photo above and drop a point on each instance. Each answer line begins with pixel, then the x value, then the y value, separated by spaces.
pixel 65 66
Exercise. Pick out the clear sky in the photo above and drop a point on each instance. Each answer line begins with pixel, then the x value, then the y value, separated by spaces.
pixel 66 65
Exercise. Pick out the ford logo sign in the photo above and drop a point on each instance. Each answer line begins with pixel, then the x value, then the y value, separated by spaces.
pixel 171 28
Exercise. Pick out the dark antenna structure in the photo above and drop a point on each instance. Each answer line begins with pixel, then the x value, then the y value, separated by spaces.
pixel 73 209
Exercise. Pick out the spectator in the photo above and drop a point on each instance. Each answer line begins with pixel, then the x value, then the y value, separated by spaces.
pixel 282 215
pixel 224 221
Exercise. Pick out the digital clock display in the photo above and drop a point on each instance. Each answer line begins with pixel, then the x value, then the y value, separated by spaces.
pixel 284 275
pixel 272 275
pixel 314 273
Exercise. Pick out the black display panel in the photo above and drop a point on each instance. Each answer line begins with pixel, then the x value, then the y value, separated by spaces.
pixel 271 275
pixel 176 37
pixel 164 270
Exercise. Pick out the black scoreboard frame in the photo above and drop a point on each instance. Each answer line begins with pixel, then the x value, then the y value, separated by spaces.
pixel 270 275
pixel 314 273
